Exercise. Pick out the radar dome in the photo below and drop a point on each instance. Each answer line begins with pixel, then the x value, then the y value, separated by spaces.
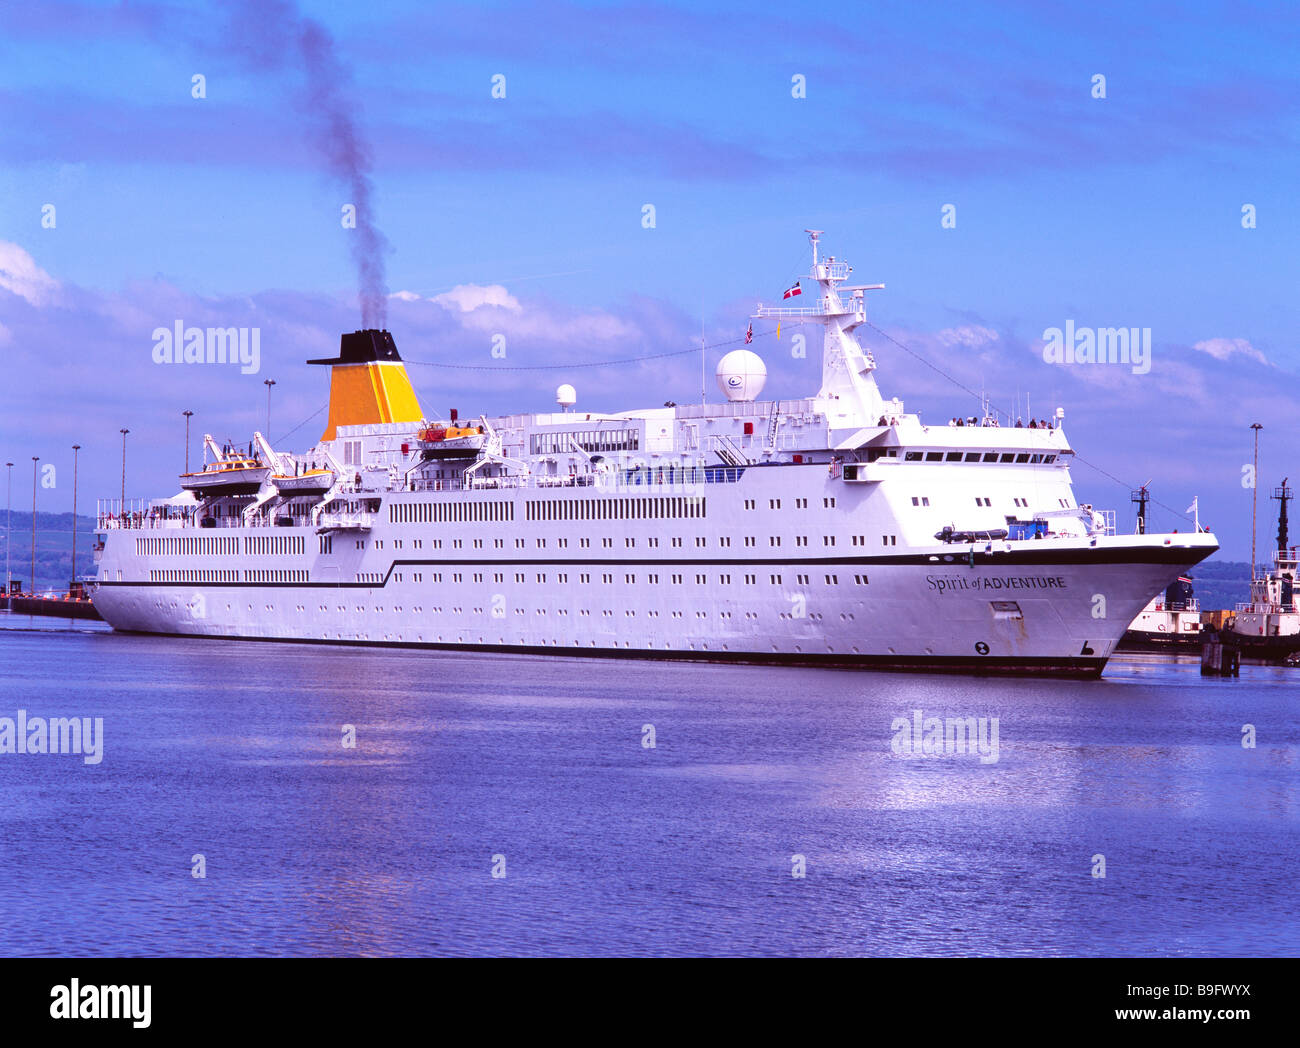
pixel 741 375
pixel 566 396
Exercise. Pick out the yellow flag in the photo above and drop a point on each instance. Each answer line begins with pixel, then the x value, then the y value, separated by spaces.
pixel 778 331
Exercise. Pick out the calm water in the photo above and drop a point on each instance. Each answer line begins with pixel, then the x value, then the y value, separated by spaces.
pixel 234 751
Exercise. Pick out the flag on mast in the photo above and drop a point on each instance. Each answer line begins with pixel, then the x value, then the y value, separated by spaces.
pixel 796 290
pixel 749 333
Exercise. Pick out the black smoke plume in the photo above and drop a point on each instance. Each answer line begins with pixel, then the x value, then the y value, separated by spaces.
pixel 273 34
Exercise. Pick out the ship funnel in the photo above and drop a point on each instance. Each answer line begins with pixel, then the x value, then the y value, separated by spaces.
pixel 368 383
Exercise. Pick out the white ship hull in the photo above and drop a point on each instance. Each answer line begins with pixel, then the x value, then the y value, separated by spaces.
pixel 1049 606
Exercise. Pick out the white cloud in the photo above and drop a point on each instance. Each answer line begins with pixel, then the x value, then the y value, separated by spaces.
pixel 1223 348
pixel 491 308
pixel 551 327
pixel 468 297
pixel 20 274
pixel 970 335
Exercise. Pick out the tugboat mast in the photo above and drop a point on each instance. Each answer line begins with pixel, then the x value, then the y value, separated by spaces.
pixel 1254 499
pixel 1141 497
pixel 1283 496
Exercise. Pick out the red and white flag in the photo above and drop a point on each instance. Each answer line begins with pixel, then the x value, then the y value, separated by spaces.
pixel 749 334
pixel 796 290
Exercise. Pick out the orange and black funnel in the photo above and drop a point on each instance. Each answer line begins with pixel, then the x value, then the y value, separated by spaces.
pixel 368 383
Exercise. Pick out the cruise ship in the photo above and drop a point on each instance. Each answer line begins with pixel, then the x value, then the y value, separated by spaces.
pixel 835 529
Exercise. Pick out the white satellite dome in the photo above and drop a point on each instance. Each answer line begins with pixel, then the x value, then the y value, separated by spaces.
pixel 741 375
pixel 566 396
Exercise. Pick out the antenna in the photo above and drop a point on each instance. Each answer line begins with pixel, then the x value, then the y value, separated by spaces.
pixel 813 236
pixel 703 380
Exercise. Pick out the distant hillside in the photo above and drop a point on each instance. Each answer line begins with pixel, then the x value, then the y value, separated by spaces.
pixel 53 548
pixel 1221 583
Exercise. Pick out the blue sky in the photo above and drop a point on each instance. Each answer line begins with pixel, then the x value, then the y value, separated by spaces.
pixel 1122 211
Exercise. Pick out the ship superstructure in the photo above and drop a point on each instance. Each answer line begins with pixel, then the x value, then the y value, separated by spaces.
pixel 836 528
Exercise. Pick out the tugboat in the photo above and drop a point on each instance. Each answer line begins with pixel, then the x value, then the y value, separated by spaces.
pixel 1171 622
pixel 1267 626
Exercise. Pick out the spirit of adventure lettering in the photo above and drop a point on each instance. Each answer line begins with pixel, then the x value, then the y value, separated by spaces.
pixel 954 583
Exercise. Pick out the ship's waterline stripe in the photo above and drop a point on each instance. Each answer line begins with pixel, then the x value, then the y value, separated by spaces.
pixel 1162 555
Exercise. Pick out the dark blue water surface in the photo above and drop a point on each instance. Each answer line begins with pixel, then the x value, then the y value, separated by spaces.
pixel 234 751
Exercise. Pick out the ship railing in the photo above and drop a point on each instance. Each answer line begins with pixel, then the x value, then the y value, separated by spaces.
pixel 135 520
pixel 750 446
pixel 1256 608
pixel 833 270
pixel 844 309
pixel 459 484
pixel 627 476
pixel 114 514
pixel 360 521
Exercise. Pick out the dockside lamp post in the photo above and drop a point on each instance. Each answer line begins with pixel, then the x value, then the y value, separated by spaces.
pixel 9 520
pixel 32 583
pixel 124 432
pixel 268 383
pixel 75 449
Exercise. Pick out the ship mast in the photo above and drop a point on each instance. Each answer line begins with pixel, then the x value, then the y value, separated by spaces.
pixel 1254 498
pixel 1141 497
pixel 847 379
pixel 1283 496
